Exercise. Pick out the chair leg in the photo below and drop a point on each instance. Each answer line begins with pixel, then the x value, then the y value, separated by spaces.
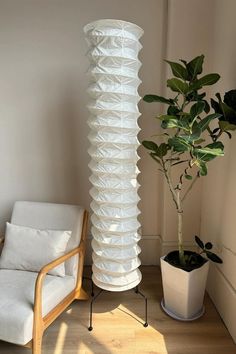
pixel 37 344
pixel 81 295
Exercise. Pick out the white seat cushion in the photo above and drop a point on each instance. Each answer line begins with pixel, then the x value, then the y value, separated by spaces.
pixel 17 299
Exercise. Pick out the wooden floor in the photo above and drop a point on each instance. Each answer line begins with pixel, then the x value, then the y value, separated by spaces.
pixel 117 327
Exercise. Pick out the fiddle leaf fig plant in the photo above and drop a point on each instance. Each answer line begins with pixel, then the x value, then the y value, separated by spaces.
pixel 192 128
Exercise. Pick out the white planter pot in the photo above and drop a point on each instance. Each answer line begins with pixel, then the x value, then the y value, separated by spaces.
pixel 183 291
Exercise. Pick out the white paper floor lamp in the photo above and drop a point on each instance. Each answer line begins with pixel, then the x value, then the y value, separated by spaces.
pixel 113 53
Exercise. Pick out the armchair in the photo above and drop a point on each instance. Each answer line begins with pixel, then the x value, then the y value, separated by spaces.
pixel 30 301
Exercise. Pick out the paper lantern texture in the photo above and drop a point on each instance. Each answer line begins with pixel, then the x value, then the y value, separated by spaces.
pixel 113 54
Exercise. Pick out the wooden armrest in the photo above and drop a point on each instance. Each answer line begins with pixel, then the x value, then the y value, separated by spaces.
pixel 44 270
pixel 61 259
pixel 40 322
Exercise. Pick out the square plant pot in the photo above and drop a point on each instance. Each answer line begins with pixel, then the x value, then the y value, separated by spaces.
pixel 183 291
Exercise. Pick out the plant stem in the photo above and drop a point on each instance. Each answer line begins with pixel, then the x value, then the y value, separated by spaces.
pixel 218 135
pixel 170 184
pixel 180 229
pixel 190 165
pixel 178 205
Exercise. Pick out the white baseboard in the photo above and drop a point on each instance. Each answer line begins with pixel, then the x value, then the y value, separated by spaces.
pixel 224 297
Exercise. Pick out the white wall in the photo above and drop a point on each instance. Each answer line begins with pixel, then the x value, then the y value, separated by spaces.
pixel 219 189
pixel 43 131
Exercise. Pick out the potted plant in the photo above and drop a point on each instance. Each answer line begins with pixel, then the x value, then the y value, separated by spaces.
pixel 190 139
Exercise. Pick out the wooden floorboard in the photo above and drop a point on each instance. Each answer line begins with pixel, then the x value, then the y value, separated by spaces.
pixel 117 327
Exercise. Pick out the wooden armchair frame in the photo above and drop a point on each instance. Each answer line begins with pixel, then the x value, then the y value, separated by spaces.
pixel 1 240
pixel 40 323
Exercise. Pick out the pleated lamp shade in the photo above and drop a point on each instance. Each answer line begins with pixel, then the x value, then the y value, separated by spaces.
pixel 113 54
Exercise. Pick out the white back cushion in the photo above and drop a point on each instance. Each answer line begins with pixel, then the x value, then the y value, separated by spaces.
pixel 30 249
pixel 52 216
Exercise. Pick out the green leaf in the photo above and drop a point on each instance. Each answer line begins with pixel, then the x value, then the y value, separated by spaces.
pixel 196 133
pixel 216 106
pixel 216 145
pixel 209 79
pixel 154 156
pixel 193 133
pixel 210 151
pixel 194 67
pixel 178 70
pixel 204 157
pixel 179 144
pixel 177 85
pixel 171 123
pixel 229 135
pixel 203 168
pixel 193 95
pixel 199 242
pixel 163 149
pixel 201 96
pixel 172 110
pixel 189 177
pixel 213 257
pixel 230 99
pixel 208 245
pixel 225 126
pixel 197 109
pixel 184 121
pixel 207 107
pixel 228 112
pixel 150 145
pixel 206 80
pixel 205 121
pixel 194 87
pixel 155 98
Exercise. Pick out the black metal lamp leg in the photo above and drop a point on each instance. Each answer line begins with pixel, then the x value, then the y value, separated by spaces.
pixel 92 289
pixel 90 328
pixel 145 299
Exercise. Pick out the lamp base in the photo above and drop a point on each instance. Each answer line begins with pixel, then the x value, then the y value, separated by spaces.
pixel 94 297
